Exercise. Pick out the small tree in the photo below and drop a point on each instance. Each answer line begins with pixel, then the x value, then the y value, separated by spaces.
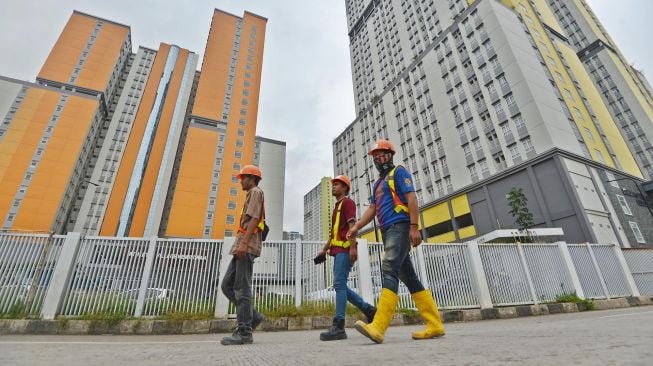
pixel 519 208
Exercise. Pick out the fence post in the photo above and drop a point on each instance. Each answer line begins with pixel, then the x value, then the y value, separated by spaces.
pixel 598 270
pixel 527 271
pixel 145 278
pixel 478 274
pixel 61 276
pixel 571 269
pixel 421 265
pixel 221 301
pixel 630 281
pixel 298 272
pixel 365 271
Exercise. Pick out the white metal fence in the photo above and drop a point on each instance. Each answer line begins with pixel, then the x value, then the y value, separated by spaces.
pixel 26 265
pixel 600 271
pixel 640 262
pixel 72 276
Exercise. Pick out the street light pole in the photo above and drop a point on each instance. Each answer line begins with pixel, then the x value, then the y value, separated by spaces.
pixel 369 186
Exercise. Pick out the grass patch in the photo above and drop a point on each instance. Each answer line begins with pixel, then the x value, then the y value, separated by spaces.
pixel 312 308
pixel 589 304
pixel 16 311
pixel 410 312
pixel 103 320
pixel 181 316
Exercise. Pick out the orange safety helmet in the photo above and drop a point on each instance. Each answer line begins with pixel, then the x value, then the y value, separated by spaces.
pixel 344 179
pixel 249 170
pixel 382 145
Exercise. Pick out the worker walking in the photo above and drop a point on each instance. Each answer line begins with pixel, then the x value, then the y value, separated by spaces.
pixel 345 253
pixel 394 203
pixel 237 282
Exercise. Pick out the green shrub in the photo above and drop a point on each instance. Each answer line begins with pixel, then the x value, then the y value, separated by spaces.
pixel 589 304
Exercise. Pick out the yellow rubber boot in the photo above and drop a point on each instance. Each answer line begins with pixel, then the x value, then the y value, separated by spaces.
pixel 429 312
pixel 384 312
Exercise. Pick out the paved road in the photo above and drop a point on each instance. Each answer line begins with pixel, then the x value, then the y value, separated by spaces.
pixel 615 337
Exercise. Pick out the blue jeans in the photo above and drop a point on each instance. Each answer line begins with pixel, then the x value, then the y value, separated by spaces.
pixel 341 267
pixel 396 262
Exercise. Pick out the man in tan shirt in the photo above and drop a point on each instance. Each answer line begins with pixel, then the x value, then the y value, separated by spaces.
pixel 237 282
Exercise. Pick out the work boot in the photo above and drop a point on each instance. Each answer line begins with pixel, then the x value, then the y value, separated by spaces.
pixel 336 332
pixel 429 312
pixel 376 329
pixel 257 319
pixel 369 313
pixel 242 335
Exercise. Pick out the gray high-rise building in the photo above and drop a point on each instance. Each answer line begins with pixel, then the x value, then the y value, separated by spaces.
pixel 483 96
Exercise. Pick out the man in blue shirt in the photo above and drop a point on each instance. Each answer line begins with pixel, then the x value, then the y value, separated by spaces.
pixel 394 203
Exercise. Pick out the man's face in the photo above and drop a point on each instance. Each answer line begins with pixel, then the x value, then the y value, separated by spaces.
pixel 381 156
pixel 246 182
pixel 338 188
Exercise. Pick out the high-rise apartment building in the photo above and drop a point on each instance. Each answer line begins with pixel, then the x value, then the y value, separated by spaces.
pixel 270 156
pixel 318 205
pixel 111 142
pixel 223 116
pixel 51 130
pixel 482 96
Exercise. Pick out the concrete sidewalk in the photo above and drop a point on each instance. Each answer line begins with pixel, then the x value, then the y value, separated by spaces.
pixel 612 337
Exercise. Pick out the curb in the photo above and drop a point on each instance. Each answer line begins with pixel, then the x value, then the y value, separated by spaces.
pixel 65 326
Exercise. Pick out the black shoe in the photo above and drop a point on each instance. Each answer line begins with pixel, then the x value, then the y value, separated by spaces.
pixel 369 314
pixel 257 319
pixel 242 335
pixel 336 332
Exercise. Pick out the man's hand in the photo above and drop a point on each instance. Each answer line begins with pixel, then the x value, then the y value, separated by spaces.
pixel 241 250
pixel 353 255
pixel 415 236
pixel 323 252
pixel 352 232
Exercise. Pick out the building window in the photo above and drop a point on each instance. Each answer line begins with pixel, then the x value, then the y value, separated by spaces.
pixel 230 219
pixel 231 205
pixel 589 133
pixel 624 205
pixel 599 155
pixel 228 233
pixel 514 151
pixel 528 145
pixel 233 192
pixel 484 167
pixel 611 179
pixel 638 234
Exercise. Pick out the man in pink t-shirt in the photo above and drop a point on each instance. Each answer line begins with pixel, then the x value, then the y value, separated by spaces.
pixel 344 253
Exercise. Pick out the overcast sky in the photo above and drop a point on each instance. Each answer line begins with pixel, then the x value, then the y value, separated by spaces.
pixel 306 91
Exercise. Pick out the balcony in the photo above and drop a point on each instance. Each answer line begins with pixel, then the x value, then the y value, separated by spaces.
pixel 522 131
pixel 486 77
pixel 473 44
pixel 501 116
pixel 491 52
pixel 475 88
pixel 513 109
pixel 464 56
pixel 505 88
pixel 484 36
pixel 473 133
pixel 469 72
pixel 456 79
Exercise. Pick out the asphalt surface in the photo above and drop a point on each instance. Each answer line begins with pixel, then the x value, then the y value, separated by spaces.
pixel 613 337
